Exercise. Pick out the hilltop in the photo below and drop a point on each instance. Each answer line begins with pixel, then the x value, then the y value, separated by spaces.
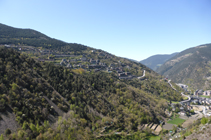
pixel 155 61
pixel 190 67
pixel 48 93
pixel 29 37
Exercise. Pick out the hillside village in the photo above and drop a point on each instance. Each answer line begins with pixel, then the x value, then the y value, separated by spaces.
pixel 92 60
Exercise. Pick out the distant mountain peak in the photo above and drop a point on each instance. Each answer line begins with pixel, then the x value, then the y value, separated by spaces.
pixel 157 60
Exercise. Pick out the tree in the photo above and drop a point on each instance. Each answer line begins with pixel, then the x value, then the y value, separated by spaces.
pixel 177 110
pixel 192 111
pixel 175 129
pixel 204 120
pixel 1 137
pixel 25 125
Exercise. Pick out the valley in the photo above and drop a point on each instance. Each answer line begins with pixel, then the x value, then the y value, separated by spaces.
pixel 56 90
pixel 191 110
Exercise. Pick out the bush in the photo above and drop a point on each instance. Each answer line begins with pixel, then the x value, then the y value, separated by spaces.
pixel 204 120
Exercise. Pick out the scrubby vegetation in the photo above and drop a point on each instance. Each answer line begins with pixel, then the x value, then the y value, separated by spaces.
pixel 54 102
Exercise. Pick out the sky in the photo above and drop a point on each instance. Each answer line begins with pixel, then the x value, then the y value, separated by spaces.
pixel 134 29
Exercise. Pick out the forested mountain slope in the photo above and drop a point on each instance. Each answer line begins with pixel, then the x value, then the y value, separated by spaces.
pixel 191 67
pixel 156 61
pixel 54 101
pixel 11 35
pixel 40 92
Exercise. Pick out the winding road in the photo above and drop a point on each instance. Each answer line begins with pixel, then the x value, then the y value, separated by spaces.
pixel 142 76
pixel 169 81
pixel 189 98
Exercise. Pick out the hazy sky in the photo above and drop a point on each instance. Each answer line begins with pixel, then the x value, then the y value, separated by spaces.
pixel 134 29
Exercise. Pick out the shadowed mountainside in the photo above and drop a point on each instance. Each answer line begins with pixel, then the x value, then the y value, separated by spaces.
pixel 155 61
pixel 191 67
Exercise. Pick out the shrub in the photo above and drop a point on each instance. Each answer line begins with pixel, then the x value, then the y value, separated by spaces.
pixel 204 120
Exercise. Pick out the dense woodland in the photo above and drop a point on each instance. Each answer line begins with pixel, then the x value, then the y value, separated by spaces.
pixel 38 93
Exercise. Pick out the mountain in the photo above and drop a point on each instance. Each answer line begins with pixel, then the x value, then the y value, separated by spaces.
pixel 155 61
pixel 41 100
pixel 11 35
pixel 190 67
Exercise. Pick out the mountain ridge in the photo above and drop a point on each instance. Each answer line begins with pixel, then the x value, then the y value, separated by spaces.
pixel 155 61
pixel 190 67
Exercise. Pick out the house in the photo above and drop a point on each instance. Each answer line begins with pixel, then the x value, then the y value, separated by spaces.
pixel 125 75
pixel 189 107
pixel 123 65
pixel 97 70
pixel 92 61
pixel 107 57
pixel 50 57
pixel 185 87
pixel 112 65
pixel 198 92
pixel 74 66
pixel 181 108
pixel 83 66
pixel 83 59
pixel 128 73
pixel 195 101
pixel 61 63
pixel 64 60
pixel 207 93
pixel 45 51
pixel 128 66
pixel 182 113
pixel 72 60
pixel 119 71
pixel 94 66
pixel 200 102
pixel 8 46
pixel 101 54
pixel 69 65
pixel 122 74
pixel 101 63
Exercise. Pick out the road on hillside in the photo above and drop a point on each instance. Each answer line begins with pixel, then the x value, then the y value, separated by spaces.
pixel 142 76
pixel 189 98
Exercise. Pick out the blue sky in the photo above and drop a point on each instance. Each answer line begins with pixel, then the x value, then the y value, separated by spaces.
pixel 134 29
